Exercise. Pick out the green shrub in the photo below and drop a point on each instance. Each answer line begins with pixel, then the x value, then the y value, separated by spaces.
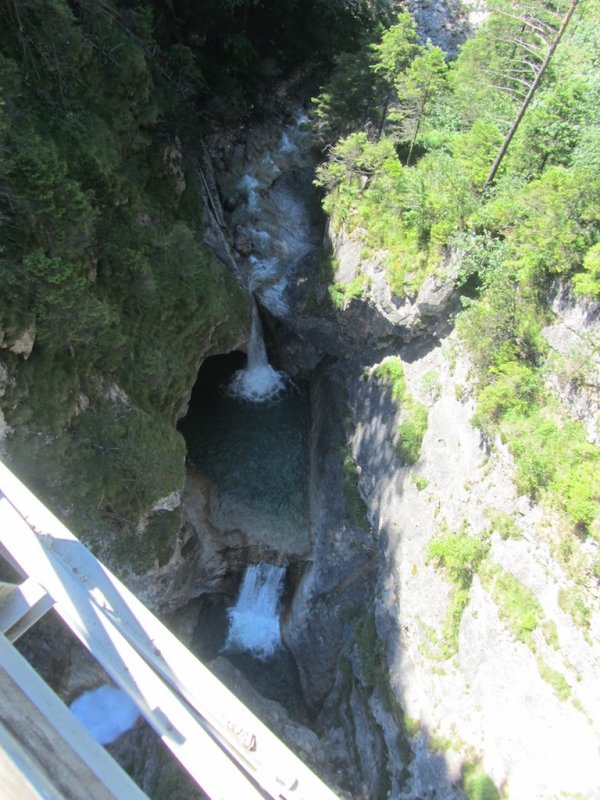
pixel 503 524
pixel 556 680
pixel 517 605
pixel 572 602
pixel 558 459
pixel 477 785
pixel 551 633
pixel 459 555
pixel 419 481
pixel 355 505
pixel 515 388
pixel 411 726
pixel 391 370
pixel 412 431
pixel 342 293
pixel 430 384
pixel 588 281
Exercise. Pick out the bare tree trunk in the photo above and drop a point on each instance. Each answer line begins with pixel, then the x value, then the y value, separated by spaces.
pixel 416 133
pixel 527 100
pixel 413 140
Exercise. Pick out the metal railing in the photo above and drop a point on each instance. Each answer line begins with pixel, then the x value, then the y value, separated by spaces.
pixel 226 749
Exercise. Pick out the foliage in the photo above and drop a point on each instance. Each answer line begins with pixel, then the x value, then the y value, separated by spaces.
pixel 556 680
pixel 430 384
pixel 573 602
pixel 391 370
pixel 517 605
pixel 588 281
pixel 413 425
pixel 515 387
pixel 101 258
pixel 420 481
pixel 412 431
pixel 371 655
pixel 459 555
pixel 504 524
pixel 343 293
pixel 477 784
pixel 541 217
pixel 558 459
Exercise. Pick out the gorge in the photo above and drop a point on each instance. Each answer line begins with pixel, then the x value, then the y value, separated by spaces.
pixel 300 420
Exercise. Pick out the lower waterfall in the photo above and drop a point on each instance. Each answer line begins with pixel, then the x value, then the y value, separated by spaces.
pixel 254 620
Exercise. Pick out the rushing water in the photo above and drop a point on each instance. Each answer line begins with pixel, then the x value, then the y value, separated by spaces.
pixel 257 381
pixel 247 426
pixel 254 620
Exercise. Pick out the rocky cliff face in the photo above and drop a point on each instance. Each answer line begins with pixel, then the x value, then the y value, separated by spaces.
pixel 408 694
pixel 476 690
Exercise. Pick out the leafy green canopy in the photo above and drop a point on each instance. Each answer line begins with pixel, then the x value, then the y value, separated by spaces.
pixel 411 179
pixel 545 202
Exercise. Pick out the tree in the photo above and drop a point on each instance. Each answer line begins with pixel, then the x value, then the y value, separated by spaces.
pixel 416 87
pixel 393 55
pixel 532 68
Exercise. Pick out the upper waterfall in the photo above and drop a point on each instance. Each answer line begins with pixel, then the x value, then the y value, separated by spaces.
pixel 258 381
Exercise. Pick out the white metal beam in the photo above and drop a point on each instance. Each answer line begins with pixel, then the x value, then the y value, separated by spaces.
pixel 21 605
pixel 60 752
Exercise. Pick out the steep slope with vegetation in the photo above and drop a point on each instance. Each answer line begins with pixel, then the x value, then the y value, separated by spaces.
pixel 413 185
pixel 480 174
pixel 109 300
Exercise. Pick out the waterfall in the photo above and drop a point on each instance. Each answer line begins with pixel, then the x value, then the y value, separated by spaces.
pixel 258 381
pixel 254 621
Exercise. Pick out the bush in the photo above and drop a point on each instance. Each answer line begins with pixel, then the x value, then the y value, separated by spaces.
pixel 558 459
pixel 420 481
pixel 556 680
pixel 477 785
pixel 412 431
pixel 515 388
pixel 391 370
pixel 588 281
pixel 459 555
pixel 517 605
pixel 572 602
pixel 357 510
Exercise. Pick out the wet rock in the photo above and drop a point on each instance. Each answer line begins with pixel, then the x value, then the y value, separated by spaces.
pixel 243 241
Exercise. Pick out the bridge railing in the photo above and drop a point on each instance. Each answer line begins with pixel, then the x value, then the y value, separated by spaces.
pixel 228 751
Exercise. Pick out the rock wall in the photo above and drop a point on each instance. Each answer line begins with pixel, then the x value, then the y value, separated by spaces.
pixel 523 713
pixel 488 700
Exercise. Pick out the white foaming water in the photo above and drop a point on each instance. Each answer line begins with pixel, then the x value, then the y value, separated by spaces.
pixel 258 381
pixel 248 184
pixel 105 712
pixel 260 239
pixel 287 147
pixel 263 269
pixel 254 620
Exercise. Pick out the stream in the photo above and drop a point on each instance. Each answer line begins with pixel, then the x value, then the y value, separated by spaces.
pixel 247 427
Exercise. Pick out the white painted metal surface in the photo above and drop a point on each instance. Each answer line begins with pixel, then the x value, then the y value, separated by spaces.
pixel 21 606
pixel 52 721
pixel 226 749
